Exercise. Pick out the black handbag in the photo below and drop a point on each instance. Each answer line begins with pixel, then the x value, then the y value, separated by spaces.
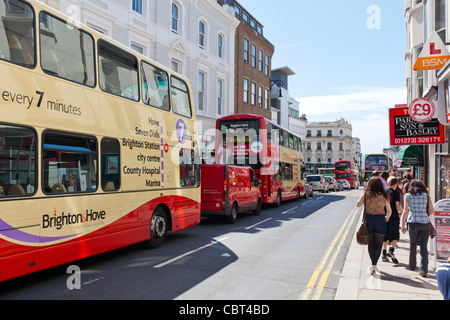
pixel 362 236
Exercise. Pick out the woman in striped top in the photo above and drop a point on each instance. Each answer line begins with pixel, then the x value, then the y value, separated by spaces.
pixel 418 207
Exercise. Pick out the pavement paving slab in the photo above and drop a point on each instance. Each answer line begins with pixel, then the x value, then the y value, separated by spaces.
pixel 394 282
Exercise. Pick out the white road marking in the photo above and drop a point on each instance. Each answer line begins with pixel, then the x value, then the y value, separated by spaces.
pixel 188 253
pixel 248 228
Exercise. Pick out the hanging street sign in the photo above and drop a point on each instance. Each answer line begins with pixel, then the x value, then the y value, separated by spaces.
pixel 404 130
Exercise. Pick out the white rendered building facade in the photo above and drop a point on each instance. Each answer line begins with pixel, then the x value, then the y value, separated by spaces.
pixel 328 142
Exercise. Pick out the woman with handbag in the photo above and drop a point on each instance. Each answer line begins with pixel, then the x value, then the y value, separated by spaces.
pixel 418 207
pixel 377 212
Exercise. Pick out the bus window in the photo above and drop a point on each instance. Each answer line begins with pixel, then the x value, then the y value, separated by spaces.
pixel 286 139
pixel 280 171
pixel 269 132
pixel 155 86
pixel 291 142
pixel 118 73
pixel 288 171
pixel 110 149
pixel 69 163
pixel 281 137
pixel 17 161
pixel 187 168
pixel 17 34
pixel 66 51
pixel 180 98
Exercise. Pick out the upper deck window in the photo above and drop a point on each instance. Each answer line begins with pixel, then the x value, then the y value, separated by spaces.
pixel 17 33
pixel 118 73
pixel 155 86
pixel 180 98
pixel 66 51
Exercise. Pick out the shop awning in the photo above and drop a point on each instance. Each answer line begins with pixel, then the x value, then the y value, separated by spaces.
pixel 411 156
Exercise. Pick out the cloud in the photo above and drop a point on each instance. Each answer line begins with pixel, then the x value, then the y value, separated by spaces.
pixel 373 131
pixel 370 99
pixel 367 109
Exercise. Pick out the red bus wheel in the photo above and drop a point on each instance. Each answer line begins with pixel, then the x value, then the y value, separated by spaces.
pixel 278 203
pixel 158 228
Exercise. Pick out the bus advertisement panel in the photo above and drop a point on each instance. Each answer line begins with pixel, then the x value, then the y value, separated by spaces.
pixel 274 153
pixel 91 159
pixel 344 171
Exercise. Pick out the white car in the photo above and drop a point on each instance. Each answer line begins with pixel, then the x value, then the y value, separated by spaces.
pixel 333 185
pixel 318 183
pixel 345 184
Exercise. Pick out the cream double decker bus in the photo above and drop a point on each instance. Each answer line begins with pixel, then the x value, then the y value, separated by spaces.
pixel 97 143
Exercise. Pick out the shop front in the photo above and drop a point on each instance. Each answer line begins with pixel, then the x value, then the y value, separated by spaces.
pixel 412 156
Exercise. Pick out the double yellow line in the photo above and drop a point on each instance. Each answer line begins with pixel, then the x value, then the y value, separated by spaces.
pixel 320 285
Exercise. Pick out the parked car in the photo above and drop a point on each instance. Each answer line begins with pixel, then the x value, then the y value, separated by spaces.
pixel 229 190
pixel 345 184
pixel 333 185
pixel 318 182
pixel 308 189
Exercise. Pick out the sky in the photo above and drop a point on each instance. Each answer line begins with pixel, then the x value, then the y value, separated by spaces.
pixel 348 57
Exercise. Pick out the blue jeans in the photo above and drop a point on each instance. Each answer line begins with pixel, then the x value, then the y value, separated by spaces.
pixel 418 235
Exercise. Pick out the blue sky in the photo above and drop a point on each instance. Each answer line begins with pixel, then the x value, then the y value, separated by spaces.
pixel 343 68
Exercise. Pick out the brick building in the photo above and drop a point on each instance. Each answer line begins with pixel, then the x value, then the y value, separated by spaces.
pixel 253 59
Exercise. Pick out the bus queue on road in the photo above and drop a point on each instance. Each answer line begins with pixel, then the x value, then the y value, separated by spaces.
pixel 98 147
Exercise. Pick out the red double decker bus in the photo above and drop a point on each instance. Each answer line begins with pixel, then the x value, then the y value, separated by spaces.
pixel 274 153
pixel 344 170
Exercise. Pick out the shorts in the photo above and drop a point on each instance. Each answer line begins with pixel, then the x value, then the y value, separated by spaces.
pixel 376 223
pixel 392 229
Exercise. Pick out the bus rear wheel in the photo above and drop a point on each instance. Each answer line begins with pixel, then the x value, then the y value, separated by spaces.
pixel 278 203
pixel 158 228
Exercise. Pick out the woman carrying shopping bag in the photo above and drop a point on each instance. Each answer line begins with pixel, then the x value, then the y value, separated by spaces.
pixel 378 211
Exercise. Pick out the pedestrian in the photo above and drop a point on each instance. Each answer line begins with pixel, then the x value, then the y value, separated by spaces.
pixel 384 177
pixel 375 174
pixel 406 183
pixel 400 187
pixel 377 202
pixel 418 208
pixel 393 224
pixel 443 279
